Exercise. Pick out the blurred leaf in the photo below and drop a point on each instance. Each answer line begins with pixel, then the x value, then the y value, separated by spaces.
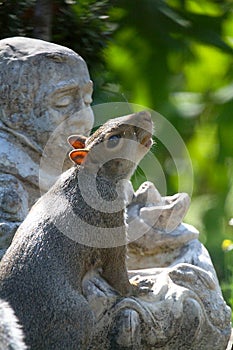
pixel 188 104
pixel 207 59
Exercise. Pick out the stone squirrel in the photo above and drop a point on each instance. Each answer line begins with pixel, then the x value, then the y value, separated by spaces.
pixel 66 235
pixel 11 335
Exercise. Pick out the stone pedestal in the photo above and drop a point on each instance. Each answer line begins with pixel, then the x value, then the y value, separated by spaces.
pixel 185 309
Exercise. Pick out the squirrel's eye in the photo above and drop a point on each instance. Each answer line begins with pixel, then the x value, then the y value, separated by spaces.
pixel 113 141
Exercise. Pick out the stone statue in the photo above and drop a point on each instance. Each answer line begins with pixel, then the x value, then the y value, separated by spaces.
pixel 41 86
pixel 185 309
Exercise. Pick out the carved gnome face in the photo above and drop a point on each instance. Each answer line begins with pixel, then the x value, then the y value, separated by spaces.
pixel 41 86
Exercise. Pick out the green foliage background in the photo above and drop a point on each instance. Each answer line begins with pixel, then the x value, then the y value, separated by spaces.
pixel 175 57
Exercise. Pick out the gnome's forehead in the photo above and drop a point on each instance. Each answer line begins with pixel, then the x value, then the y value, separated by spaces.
pixel 19 47
pixel 19 56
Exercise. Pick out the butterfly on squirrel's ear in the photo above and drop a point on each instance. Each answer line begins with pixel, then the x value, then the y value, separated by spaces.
pixel 77 141
pixel 79 153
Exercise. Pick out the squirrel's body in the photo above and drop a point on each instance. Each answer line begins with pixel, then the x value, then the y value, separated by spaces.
pixel 59 242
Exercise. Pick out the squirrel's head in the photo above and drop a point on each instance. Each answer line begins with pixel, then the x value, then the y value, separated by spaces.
pixel 116 148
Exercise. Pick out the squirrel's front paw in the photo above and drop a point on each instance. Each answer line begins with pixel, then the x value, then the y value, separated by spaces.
pixel 141 286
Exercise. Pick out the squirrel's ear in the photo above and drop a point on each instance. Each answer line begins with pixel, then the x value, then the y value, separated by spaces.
pixel 78 155
pixel 77 141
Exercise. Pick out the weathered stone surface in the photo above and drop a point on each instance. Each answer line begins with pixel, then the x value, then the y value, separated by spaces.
pixel 230 344
pixel 13 200
pixel 43 87
pixel 13 208
pixel 185 309
pixel 160 249
pixel 149 208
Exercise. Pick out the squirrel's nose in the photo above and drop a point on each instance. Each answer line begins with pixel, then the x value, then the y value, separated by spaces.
pixel 145 115
pixel 139 117
pixel 144 121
